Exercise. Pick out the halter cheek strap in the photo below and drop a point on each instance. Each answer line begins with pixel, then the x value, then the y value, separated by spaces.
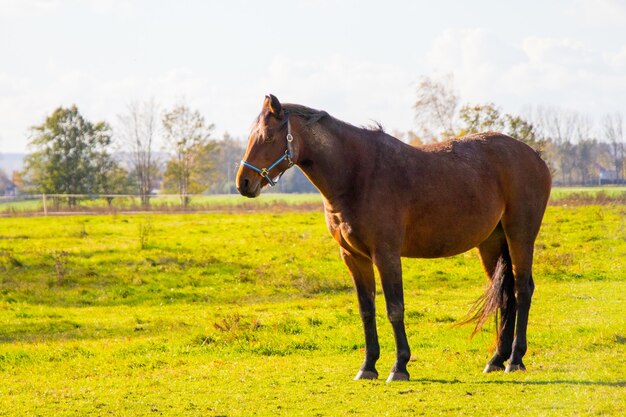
pixel 288 155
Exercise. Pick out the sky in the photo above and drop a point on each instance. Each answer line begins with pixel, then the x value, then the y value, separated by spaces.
pixel 360 60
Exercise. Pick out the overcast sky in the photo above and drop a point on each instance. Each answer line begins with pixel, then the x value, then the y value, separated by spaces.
pixel 359 60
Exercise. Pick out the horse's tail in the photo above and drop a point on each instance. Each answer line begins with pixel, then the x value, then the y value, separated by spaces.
pixel 498 295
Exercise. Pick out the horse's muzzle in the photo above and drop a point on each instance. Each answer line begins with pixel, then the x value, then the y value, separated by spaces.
pixel 250 189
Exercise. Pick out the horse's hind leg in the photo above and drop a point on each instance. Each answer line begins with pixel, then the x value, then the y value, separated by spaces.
pixel 521 229
pixel 521 257
pixel 492 252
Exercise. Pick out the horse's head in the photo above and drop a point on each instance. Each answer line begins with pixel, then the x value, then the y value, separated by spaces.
pixel 269 151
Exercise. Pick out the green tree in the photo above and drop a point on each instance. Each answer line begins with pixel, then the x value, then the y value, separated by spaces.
pixel 188 137
pixel 70 156
pixel 488 117
pixel 480 118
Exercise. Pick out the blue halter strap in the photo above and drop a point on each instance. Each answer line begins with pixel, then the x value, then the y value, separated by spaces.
pixel 288 155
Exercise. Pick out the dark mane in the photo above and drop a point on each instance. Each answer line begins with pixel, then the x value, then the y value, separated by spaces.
pixel 312 116
pixel 375 126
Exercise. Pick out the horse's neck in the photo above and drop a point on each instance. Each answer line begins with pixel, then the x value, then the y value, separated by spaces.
pixel 325 160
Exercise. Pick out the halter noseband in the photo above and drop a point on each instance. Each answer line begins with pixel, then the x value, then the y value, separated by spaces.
pixel 288 155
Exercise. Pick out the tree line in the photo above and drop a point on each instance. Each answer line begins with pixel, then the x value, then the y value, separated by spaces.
pixel 70 154
pixel 73 155
pixel 578 151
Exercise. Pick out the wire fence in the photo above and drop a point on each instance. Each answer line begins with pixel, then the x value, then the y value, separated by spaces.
pixel 63 204
pixel 60 204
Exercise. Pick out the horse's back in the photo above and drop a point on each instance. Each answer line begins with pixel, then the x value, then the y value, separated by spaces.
pixel 518 168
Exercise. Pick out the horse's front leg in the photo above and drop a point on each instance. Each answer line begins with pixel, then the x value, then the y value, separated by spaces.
pixel 362 272
pixel 390 269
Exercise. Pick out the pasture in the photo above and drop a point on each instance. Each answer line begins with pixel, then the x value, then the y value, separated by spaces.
pixel 254 314
pixel 33 205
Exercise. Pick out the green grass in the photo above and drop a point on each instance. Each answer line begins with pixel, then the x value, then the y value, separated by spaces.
pixel 608 189
pixel 254 314
pixel 607 194
pixel 161 203
pixel 266 202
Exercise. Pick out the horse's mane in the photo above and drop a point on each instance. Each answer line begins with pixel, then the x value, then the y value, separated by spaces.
pixel 308 114
pixel 313 116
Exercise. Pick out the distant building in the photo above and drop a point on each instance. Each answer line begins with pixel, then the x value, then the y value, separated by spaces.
pixel 606 176
pixel 10 190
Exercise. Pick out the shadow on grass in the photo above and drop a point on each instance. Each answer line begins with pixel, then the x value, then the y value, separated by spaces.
pixel 62 330
pixel 511 382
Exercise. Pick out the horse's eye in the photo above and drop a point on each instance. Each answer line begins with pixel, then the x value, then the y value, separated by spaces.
pixel 268 137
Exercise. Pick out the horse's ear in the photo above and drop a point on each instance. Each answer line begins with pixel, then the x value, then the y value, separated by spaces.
pixel 274 105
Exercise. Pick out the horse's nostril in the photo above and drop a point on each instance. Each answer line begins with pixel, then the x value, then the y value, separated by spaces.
pixel 245 184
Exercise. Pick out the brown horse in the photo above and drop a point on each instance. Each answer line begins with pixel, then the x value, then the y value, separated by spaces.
pixel 384 199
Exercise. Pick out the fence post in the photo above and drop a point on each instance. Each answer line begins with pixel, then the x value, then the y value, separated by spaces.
pixel 45 206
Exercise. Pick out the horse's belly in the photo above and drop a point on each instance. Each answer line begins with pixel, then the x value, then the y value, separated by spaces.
pixel 441 236
pixel 437 248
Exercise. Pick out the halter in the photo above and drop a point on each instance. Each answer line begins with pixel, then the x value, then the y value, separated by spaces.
pixel 288 155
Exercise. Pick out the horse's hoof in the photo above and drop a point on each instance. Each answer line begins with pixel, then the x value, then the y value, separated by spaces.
pixel 366 375
pixel 398 376
pixel 492 368
pixel 512 367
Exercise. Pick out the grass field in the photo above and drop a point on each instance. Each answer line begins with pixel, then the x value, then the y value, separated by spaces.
pixel 25 205
pixel 254 314
pixel 610 194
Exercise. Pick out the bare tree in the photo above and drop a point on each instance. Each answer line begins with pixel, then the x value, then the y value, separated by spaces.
pixel 187 136
pixel 584 155
pixel 226 159
pixel 4 181
pixel 558 127
pixel 137 132
pixel 435 107
pixel 612 125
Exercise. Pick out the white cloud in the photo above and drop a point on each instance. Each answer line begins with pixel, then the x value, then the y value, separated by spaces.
pixel 21 8
pixel 121 8
pixel 617 60
pixel 28 8
pixel 600 12
pixel 472 47
pixel 225 73
pixel 542 70
pixel 563 52
pixel 355 91
pixel 360 91
pixel 29 100
pixel 475 57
